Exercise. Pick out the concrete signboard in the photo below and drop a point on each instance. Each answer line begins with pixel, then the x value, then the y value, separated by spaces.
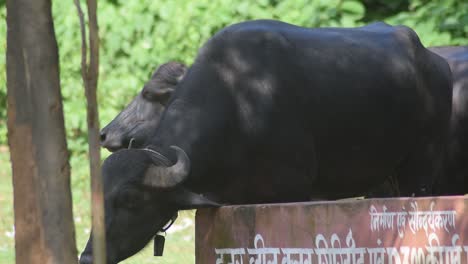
pixel 396 230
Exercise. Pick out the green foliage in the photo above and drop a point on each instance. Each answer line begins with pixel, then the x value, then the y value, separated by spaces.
pixel 137 36
pixel 439 22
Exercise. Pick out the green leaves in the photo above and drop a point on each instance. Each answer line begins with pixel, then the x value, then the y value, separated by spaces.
pixel 353 9
pixel 442 22
pixel 137 36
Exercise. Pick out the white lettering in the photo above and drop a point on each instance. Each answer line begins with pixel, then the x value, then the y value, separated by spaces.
pixel 262 253
pixel 232 252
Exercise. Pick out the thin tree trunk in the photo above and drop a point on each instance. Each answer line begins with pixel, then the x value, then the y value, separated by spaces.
pixel 90 74
pixel 44 231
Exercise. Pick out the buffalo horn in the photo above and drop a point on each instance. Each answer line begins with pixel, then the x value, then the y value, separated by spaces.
pixel 169 177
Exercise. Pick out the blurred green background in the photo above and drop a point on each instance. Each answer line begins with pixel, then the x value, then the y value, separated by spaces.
pixel 138 35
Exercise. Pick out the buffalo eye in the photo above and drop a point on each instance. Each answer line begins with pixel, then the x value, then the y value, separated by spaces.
pixel 159 93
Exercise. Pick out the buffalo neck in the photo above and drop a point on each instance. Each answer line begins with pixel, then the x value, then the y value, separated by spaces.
pixel 197 120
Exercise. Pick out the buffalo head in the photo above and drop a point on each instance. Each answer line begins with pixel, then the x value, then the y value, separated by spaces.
pixel 143 190
pixel 139 119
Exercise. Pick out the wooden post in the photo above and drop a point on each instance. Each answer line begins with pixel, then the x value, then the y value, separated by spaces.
pixel 44 231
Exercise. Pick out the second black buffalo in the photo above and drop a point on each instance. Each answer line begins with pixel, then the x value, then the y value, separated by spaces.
pixel 455 178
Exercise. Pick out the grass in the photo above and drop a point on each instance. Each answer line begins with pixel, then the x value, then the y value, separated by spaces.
pixel 179 247
pixel 7 239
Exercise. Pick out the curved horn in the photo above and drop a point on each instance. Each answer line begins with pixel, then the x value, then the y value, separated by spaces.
pixel 169 177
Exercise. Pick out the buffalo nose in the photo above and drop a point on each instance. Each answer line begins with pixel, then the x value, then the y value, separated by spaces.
pixel 102 136
pixel 110 141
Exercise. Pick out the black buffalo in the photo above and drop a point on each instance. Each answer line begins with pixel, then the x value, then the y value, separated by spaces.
pixel 271 112
pixel 455 178
pixel 134 211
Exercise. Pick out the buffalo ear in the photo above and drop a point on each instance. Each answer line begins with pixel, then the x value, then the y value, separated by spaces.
pixel 172 72
pixel 163 82
pixel 186 200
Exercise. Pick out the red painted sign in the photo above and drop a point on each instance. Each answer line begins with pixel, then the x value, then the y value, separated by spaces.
pixel 397 230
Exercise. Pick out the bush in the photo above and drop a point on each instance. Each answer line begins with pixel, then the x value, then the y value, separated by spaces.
pixel 442 22
pixel 137 36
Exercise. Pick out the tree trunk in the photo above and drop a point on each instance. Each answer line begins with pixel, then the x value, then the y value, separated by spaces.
pixel 36 136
